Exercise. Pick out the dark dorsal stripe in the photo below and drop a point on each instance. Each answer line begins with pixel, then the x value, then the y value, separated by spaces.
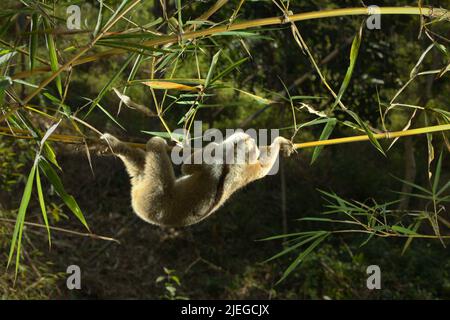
pixel 220 187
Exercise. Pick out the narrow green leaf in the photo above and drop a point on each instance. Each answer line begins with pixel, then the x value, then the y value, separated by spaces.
pixel 212 68
pixel 306 98
pixel 327 130
pixel 403 230
pixel 353 57
pixel 229 69
pixel 288 235
pixel 165 135
pixel 437 174
pixel 33 39
pixel 118 10
pixel 297 245
pixel 445 187
pixel 5 82
pixel 302 256
pixel 110 116
pixel 42 204
pixel 367 240
pixel 180 18
pixel 54 65
pixel 369 132
pixel 260 100
pixel 410 239
pixel 99 19
pixel 57 184
pixel 412 184
pixel 110 83
pixel 17 234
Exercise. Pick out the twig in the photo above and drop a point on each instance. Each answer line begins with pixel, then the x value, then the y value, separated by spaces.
pixel 430 12
pixel 90 235
pixel 386 135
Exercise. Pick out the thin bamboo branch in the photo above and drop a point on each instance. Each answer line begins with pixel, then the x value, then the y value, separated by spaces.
pixel 387 234
pixel 77 233
pixel 429 12
pixel 378 136
pixel 386 135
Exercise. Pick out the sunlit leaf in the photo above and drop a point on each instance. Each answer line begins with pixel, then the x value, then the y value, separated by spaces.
pixel 20 220
pixel 167 85
pixel 212 67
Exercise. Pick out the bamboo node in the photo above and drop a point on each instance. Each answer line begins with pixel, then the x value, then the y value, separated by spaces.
pixel 372 10
pixel 287 17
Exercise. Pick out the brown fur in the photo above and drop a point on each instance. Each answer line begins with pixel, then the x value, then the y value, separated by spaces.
pixel 160 198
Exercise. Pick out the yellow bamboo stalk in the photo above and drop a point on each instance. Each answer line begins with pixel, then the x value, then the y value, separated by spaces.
pixel 23 134
pixel 378 136
pixel 428 12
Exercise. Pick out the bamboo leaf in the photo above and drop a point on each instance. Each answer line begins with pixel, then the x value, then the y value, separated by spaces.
pixel 118 10
pixel 5 82
pixel 403 230
pixel 57 184
pixel 301 257
pixel 18 228
pixel 327 130
pixel 54 65
pixel 416 186
pixel 445 187
pixel 229 69
pixel 410 239
pixel 110 116
pixel 42 205
pixel 415 70
pixel 165 135
pixel 260 100
pixel 33 40
pixel 297 245
pixel 437 174
pixel 353 57
pixel 288 235
pixel 99 19
pixel 109 84
pixel 6 56
pixel 369 132
pixel 167 85
pixel 212 67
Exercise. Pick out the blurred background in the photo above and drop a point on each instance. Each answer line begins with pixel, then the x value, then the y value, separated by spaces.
pixel 262 78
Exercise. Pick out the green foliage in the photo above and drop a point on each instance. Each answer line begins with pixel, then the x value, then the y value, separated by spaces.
pixel 135 67
pixel 171 283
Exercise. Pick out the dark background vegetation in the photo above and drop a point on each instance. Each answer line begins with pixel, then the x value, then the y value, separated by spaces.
pixel 220 257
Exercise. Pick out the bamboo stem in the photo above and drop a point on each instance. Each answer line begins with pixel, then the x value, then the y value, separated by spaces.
pixel 378 136
pixel 387 135
pixel 429 12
